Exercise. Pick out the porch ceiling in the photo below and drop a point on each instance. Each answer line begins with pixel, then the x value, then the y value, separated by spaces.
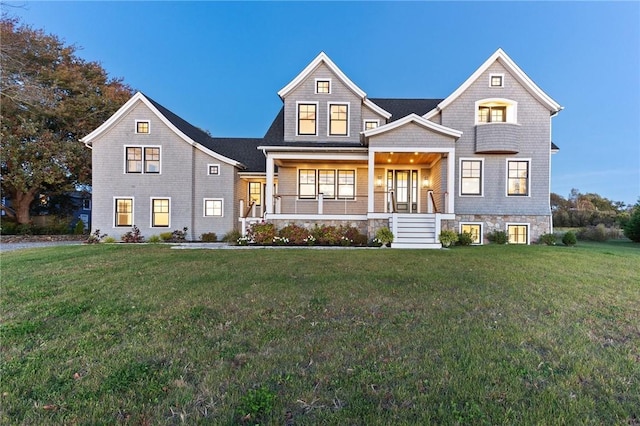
pixel 406 157
pixel 284 162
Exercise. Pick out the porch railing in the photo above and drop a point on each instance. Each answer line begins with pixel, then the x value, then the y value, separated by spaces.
pixel 320 203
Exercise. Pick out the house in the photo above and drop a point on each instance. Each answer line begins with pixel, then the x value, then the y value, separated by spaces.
pixel 478 160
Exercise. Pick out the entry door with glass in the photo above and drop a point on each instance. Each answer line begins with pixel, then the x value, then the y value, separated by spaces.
pixel 404 184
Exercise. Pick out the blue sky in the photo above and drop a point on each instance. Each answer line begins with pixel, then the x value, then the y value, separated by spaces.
pixel 219 65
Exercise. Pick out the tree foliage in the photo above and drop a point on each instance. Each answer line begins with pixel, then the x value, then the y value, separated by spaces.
pixel 632 228
pixel 50 98
pixel 589 209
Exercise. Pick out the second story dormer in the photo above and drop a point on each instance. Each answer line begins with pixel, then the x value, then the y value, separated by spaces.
pixel 323 105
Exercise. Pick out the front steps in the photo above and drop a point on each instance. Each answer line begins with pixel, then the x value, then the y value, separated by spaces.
pixel 415 231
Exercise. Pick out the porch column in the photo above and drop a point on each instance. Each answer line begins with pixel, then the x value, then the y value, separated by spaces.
pixel 371 183
pixel 451 180
pixel 269 190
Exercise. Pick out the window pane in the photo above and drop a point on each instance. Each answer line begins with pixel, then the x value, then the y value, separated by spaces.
pixel 322 87
pixel 338 121
pixel 152 160
pixel 213 207
pixel 368 125
pixel 497 114
pixel 306 119
pixel 471 175
pixel 124 212
pixel 327 183
pixel 496 80
pixel 142 127
pixel 346 184
pixel 518 177
pixel 483 114
pixel 160 212
pixel 255 192
pixel 134 160
pixel 307 183
pixel 474 230
pixel 517 234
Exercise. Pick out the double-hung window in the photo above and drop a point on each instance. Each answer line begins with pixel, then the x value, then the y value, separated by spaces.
pixel 517 178
pixel 143 159
pixel 338 120
pixel 327 183
pixel 346 184
pixel 123 211
pixel 307 119
pixel 255 193
pixel 332 184
pixel 307 183
pixel 160 212
pixel 470 177
pixel 213 207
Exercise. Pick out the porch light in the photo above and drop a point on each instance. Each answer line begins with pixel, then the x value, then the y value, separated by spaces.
pixel 425 183
pixel 379 182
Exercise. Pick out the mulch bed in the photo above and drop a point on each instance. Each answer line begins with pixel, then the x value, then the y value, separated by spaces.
pixel 6 239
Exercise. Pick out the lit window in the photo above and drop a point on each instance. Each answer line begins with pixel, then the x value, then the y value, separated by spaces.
pixel 213 169
pixel 306 119
pixel 142 127
pixel 495 80
pixel 475 229
pixel 255 192
pixel 492 114
pixel 346 184
pixel 323 86
pixel 327 183
pixel 307 183
pixel 518 234
pixel 518 178
pixel 134 160
pixel 338 120
pixel 212 207
pixel 138 156
pixel 159 212
pixel 370 124
pixel 124 211
pixel 152 160
pixel 470 177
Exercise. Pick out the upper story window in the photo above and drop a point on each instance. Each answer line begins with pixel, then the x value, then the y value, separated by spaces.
pixel 142 126
pixel 496 80
pixel 86 204
pixel 338 119
pixel 213 169
pixel 142 159
pixel 213 207
pixel 517 177
pixel 496 111
pixel 470 177
pixel 371 124
pixel 323 86
pixel 307 114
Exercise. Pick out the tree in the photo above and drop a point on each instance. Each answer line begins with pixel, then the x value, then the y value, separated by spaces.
pixel 632 228
pixel 50 98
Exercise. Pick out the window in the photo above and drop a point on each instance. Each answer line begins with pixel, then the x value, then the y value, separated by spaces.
pixel 338 120
pixel 496 110
pixel 306 183
pixel 213 169
pixel 323 86
pixel 124 212
pixel 475 229
pixel 496 80
pixel 160 212
pixel 142 127
pixel 470 177
pixel 213 207
pixel 327 183
pixel 517 177
pixel 139 156
pixel 346 184
pixel 255 192
pixel 492 114
pixel 370 124
pixel 307 119
pixel 86 204
pixel 518 233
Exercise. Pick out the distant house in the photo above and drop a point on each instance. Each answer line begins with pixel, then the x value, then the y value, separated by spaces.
pixel 478 160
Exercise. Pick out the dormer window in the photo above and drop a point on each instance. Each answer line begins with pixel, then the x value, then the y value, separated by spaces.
pixel 142 126
pixel 323 86
pixel 496 80
pixel 496 110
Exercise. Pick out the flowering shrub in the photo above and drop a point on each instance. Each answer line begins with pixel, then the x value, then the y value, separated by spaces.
pixel 133 236
pixel 327 235
pixel 296 235
pixel 262 233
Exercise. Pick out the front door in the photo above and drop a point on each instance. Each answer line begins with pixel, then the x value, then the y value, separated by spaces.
pixel 404 184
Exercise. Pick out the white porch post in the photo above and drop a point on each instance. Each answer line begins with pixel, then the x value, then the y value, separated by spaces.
pixel 320 202
pixel 451 180
pixel 371 182
pixel 269 190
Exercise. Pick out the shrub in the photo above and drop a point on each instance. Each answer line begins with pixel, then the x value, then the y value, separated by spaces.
pixel 232 236
pixel 594 233
pixel 569 239
pixel 166 236
pixel 155 239
pixel 327 235
pixel 498 237
pixel 384 236
pixel 632 227
pixel 209 237
pixel 109 240
pixel 465 239
pixel 79 228
pixel 179 236
pixel 8 227
pixel 133 236
pixel 447 237
pixel 296 235
pixel 95 237
pixel 548 239
pixel 262 233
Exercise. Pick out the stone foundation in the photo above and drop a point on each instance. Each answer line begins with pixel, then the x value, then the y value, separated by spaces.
pixel 538 225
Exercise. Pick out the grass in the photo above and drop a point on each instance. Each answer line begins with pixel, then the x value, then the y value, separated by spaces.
pixel 142 334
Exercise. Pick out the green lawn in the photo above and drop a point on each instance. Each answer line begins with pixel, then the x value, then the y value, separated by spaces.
pixel 143 334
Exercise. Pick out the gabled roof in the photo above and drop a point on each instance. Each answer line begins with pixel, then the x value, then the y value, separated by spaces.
pixel 186 131
pixel 416 119
pixel 515 70
pixel 402 107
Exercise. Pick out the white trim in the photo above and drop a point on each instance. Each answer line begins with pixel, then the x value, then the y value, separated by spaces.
pixel 480 236
pixel 298 103
pixel 370 120
pixel 135 130
pixel 143 172
pixel 506 175
pixel 209 169
pixel 139 97
pixel 151 212
pixel 204 207
pixel 315 87
pixel 511 66
pixel 528 225
pixel 274 148
pixel 329 105
pixel 375 108
pixel 460 160
pixel 414 118
pixel 511 110
pixel 321 58
pixel 496 74
pixel 114 210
